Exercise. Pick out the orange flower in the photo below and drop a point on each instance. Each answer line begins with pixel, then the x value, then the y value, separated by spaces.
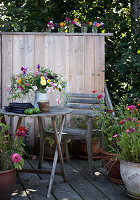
pixel 90 23
pixel 97 25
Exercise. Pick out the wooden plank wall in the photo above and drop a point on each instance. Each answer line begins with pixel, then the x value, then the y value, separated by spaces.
pixel 79 58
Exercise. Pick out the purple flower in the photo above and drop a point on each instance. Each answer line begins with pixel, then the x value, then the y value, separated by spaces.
pixel 27 84
pixel 38 66
pixel 132 130
pixel 133 119
pixel 67 19
pixel 122 121
pixel 24 70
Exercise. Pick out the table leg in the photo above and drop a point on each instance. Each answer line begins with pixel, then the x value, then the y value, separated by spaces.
pixel 11 129
pixel 42 141
pixel 18 123
pixel 57 151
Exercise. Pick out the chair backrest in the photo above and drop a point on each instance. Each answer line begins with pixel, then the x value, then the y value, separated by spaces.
pixel 82 104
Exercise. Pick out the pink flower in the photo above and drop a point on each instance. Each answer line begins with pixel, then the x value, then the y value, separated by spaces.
pixel 27 84
pixel 132 107
pixel 16 157
pixel 127 131
pixel 38 67
pixel 122 121
pixel 8 89
pixel 34 157
pixel 58 101
pixel 100 96
pixel 114 136
pixel 20 87
pixel 34 88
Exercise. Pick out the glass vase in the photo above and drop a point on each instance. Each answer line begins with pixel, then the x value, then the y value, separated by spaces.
pixel 61 29
pixel 94 29
pixel 48 30
pixel 84 29
pixel 71 28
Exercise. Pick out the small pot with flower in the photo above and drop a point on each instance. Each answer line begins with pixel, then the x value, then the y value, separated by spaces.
pixel 129 154
pixel 70 24
pixel 42 81
pixel 95 26
pixel 50 26
pixel 11 152
pixel 61 27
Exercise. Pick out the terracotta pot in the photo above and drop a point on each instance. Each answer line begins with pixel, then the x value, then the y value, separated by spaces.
pixel 95 147
pixel 50 150
pixel 112 165
pixel 7 182
pixel 130 173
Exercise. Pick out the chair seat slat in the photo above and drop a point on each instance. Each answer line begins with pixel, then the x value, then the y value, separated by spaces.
pixel 83 106
pixel 82 100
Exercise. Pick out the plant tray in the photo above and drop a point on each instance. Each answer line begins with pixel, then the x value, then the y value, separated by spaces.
pixel 21 105
pixel 18 107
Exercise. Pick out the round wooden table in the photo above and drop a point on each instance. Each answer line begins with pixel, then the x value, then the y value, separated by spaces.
pixel 53 112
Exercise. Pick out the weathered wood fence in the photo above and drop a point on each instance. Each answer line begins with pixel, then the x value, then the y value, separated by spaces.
pixel 79 57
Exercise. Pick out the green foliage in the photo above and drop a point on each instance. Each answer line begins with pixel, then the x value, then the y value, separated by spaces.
pixel 8 147
pixel 122 50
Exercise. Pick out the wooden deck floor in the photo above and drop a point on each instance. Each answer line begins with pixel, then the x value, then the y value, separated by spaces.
pixel 78 187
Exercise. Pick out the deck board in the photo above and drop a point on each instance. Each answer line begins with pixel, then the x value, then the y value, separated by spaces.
pixel 79 186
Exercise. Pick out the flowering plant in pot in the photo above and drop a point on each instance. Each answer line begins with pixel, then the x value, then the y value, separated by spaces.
pixel 110 129
pixel 11 152
pixel 121 136
pixel 42 81
pixel 129 144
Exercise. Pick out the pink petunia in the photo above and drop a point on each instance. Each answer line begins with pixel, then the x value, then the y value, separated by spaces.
pixel 100 96
pixel 8 89
pixel 20 87
pixel 114 136
pixel 16 157
pixel 127 131
pixel 34 157
pixel 34 88
pixel 132 107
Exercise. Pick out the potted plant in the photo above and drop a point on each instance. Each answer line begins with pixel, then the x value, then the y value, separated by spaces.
pixel 110 128
pixel 129 154
pixel 42 81
pixel 11 152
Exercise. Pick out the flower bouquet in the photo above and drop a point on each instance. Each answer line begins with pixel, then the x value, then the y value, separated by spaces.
pixel 42 79
pixel 95 26
pixel 50 26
